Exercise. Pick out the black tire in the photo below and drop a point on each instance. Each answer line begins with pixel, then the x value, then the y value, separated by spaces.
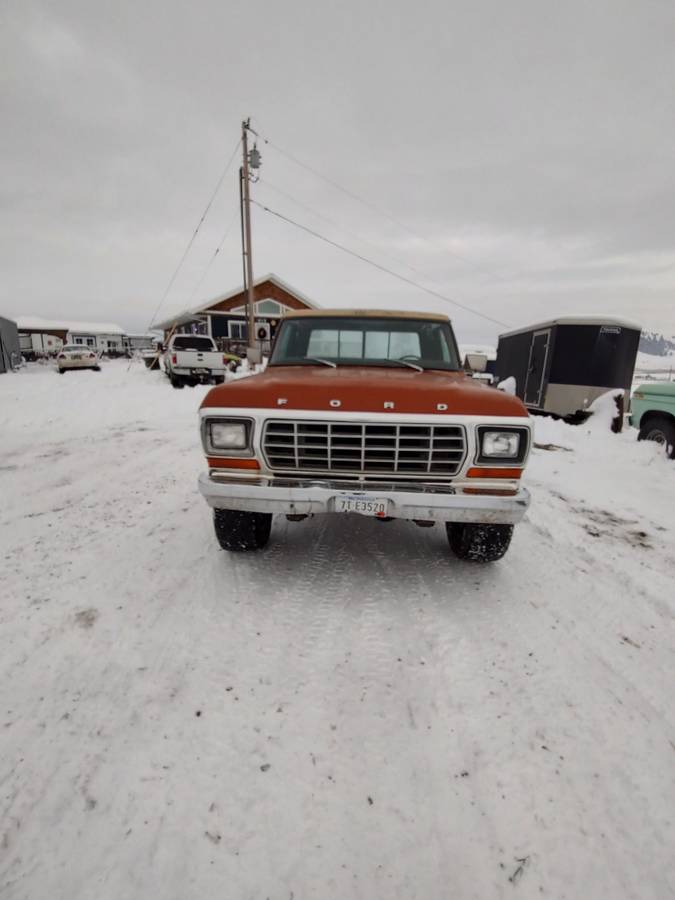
pixel 176 382
pixel 479 543
pixel 62 371
pixel 660 429
pixel 241 531
pixel 97 368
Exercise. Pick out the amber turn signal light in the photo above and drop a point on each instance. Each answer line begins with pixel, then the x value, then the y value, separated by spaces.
pixel 226 462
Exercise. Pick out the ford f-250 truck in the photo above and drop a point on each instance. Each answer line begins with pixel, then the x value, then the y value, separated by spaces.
pixel 366 412
pixel 195 359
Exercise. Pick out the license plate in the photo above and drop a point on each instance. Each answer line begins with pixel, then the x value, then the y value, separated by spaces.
pixel 365 506
pixel 201 371
pixel 76 356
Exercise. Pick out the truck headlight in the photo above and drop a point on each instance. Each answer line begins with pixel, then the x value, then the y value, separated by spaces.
pixel 500 443
pixel 228 435
pixel 497 444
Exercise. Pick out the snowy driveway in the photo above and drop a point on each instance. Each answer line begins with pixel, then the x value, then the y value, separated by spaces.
pixel 351 713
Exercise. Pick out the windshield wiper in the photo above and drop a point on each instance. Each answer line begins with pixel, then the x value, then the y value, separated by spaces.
pixel 404 362
pixel 318 359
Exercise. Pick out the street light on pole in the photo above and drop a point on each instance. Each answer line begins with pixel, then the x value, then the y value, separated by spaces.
pixel 251 161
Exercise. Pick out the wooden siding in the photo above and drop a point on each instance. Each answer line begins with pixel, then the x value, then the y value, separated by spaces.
pixel 267 290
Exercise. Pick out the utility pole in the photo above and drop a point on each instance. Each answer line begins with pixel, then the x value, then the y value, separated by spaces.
pixel 251 160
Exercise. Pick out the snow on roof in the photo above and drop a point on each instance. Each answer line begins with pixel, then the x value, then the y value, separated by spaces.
pixel 591 319
pixel 186 314
pixel 33 323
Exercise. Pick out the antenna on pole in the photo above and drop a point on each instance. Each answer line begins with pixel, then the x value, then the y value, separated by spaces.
pixel 251 161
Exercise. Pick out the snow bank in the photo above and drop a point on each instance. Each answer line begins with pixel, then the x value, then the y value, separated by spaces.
pixel 349 713
pixel 508 385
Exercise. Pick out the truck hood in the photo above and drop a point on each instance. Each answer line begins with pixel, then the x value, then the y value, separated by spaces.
pixel 660 389
pixel 364 389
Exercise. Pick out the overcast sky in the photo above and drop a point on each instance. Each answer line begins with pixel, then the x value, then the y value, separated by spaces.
pixel 523 151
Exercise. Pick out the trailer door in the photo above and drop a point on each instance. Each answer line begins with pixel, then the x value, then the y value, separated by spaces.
pixel 536 368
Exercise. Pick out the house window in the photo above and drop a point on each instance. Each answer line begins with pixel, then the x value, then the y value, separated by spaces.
pixel 90 342
pixel 269 308
pixel 78 340
pixel 237 330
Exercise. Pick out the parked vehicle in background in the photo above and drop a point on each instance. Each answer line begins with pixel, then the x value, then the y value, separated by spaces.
pixel 10 348
pixel 194 359
pixel 74 356
pixel 139 343
pixel 653 412
pixel 563 365
pixel 151 358
pixel 366 412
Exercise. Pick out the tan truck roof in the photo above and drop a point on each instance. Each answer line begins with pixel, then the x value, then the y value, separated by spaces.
pixel 364 314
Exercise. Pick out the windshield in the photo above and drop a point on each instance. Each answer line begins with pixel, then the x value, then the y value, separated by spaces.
pixel 366 341
pixel 192 342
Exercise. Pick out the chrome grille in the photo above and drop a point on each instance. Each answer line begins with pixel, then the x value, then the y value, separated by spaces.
pixel 363 447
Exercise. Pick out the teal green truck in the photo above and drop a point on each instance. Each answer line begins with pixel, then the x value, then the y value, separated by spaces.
pixel 653 412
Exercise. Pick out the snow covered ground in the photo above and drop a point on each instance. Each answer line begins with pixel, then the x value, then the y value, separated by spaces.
pixel 648 364
pixel 351 713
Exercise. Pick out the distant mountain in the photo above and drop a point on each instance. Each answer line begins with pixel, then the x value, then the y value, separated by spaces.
pixel 656 344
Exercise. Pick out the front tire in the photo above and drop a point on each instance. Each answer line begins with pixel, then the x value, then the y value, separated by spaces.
pixel 238 530
pixel 479 543
pixel 661 430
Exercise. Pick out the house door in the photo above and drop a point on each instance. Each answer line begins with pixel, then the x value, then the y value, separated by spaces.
pixel 536 368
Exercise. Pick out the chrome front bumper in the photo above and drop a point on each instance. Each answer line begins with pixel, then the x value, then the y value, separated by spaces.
pixel 311 499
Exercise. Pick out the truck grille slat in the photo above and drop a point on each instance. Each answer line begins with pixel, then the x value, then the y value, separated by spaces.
pixel 363 448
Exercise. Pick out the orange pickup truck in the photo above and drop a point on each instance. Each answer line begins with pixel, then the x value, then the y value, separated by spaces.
pixel 366 411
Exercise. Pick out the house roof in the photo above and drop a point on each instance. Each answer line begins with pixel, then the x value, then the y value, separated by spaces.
pixel 186 315
pixel 34 323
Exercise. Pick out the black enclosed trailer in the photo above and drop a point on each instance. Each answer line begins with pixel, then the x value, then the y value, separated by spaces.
pixel 10 354
pixel 561 366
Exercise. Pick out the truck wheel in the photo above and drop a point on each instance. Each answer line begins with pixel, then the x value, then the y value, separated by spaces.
pixel 479 543
pixel 240 530
pixel 176 381
pixel 661 430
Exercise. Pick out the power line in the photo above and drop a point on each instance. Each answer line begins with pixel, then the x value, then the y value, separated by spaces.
pixel 382 268
pixel 342 228
pixel 376 209
pixel 220 246
pixel 194 234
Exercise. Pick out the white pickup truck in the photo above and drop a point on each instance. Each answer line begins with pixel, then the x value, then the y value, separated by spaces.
pixel 195 359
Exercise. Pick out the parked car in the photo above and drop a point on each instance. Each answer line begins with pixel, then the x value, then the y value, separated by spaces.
pixel 195 359
pixel 653 412
pixel 370 413
pixel 76 356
